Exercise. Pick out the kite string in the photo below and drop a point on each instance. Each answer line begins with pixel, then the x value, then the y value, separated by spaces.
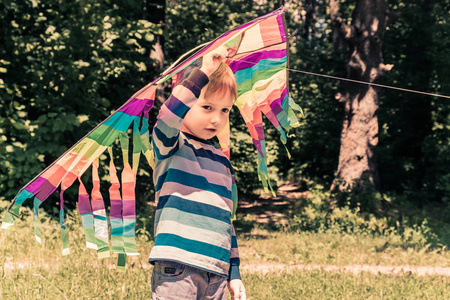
pixel 369 83
pixel 321 75
pixel 357 81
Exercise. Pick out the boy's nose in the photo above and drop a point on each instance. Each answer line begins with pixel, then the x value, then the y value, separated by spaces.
pixel 215 119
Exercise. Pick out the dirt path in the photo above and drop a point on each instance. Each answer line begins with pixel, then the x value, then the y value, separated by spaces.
pixel 267 209
pixel 274 267
pixel 354 269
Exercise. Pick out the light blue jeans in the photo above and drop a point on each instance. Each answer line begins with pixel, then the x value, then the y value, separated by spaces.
pixel 172 280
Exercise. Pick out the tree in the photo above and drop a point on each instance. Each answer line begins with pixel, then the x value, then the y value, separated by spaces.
pixel 156 13
pixel 359 137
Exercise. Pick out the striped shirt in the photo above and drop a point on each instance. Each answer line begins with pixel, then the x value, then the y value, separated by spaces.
pixel 193 183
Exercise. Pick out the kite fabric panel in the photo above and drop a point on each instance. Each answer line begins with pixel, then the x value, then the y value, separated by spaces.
pixel 258 58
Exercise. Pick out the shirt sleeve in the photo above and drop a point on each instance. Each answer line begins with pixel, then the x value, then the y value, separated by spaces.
pixel 234 272
pixel 167 128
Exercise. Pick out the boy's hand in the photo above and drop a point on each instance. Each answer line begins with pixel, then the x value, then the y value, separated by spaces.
pixel 212 60
pixel 237 289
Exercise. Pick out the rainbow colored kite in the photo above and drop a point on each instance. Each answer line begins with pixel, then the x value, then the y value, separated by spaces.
pixel 258 58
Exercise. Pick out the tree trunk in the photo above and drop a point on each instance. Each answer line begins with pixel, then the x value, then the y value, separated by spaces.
pixel 156 13
pixel 309 19
pixel 359 137
pixel 336 35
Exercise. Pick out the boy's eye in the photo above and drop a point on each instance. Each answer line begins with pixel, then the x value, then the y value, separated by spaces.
pixel 225 110
pixel 207 107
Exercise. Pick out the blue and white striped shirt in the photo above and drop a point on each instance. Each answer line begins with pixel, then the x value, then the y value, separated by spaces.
pixel 193 183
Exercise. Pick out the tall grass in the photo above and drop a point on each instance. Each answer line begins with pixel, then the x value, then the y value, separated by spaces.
pixel 29 270
pixel 334 249
pixel 322 285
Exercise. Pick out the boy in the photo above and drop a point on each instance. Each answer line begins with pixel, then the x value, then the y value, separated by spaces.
pixel 195 251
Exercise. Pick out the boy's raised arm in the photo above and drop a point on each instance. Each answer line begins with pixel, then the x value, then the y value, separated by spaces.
pixel 170 117
pixel 184 96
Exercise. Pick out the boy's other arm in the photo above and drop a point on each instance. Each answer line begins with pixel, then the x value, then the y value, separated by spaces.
pixel 235 285
pixel 234 272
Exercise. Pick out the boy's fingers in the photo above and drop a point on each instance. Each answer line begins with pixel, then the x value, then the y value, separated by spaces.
pixel 212 60
pixel 221 52
pixel 242 294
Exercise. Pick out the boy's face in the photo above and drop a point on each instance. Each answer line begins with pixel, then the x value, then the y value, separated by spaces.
pixel 208 116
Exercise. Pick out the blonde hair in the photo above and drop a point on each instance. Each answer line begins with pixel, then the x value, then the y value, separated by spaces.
pixel 222 81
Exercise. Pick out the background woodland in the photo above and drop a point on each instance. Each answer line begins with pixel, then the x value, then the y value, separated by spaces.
pixel 66 65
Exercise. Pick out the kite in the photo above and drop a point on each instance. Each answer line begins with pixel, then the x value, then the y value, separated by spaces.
pixel 258 58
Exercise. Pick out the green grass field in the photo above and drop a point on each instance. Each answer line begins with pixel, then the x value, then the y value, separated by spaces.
pixel 32 271
pixel 87 280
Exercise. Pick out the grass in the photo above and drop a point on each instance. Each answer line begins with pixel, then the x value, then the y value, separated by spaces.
pixel 29 270
pixel 87 282
pixel 335 249
pixel 337 285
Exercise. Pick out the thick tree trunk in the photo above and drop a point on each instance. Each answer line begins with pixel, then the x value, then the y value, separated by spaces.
pixel 359 137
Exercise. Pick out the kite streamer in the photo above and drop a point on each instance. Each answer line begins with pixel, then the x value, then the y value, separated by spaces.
pixel 259 59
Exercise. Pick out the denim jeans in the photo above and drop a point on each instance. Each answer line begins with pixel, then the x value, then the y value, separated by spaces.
pixel 172 280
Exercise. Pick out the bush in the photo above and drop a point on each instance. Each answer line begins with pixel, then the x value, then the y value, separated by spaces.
pixel 317 214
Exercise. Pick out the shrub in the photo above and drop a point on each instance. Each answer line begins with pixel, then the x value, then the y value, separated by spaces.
pixel 317 214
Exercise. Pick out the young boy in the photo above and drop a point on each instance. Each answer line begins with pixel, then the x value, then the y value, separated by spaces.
pixel 195 252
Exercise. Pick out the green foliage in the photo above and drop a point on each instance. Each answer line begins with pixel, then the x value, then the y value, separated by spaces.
pixel 243 158
pixel 3 207
pixel 414 129
pixel 64 67
pixel 436 183
pixel 364 198
pixel 191 23
pixel 318 214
